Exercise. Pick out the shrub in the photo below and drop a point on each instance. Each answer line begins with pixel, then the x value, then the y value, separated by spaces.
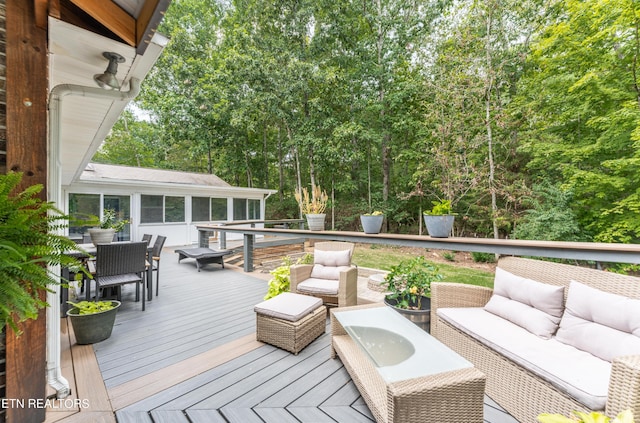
pixel 483 257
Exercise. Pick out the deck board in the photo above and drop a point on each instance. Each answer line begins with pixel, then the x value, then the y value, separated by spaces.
pixel 192 357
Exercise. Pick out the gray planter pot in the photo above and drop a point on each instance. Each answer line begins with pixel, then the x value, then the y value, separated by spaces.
pixel 371 224
pixel 92 328
pixel 421 318
pixel 101 236
pixel 316 221
pixel 439 226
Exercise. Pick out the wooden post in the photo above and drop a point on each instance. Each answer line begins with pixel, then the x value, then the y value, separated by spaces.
pixel 26 85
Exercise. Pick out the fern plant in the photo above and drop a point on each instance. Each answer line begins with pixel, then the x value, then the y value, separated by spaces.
pixel 28 244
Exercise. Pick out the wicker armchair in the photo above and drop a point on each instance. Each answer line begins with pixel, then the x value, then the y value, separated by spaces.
pixel 335 284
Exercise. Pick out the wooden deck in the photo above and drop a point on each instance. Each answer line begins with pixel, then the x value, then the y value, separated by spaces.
pixel 192 357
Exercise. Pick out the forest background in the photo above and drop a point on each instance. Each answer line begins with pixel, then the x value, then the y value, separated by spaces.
pixel 525 114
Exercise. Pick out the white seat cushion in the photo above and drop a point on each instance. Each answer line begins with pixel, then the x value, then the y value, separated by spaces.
pixel 579 374
pixel 319 286
pixel 288 306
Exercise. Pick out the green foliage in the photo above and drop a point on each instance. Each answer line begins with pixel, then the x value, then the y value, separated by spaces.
pixel 382 105
pixel 28 244
pixel 581 417
pixel 91 307
pixel 442 207
pixel 550 217
pixel 483 257
pixel 449 255
pixel 281 275
pixel 411 279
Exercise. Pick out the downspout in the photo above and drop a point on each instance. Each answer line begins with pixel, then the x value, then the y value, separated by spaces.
pixel 264 205
pixel 57 94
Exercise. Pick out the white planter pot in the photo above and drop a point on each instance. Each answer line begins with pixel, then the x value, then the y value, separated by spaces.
pixel 101 236
pixel 316 221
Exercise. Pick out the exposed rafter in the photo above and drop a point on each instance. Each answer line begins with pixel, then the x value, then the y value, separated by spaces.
pixel 112 17
pixel 135 31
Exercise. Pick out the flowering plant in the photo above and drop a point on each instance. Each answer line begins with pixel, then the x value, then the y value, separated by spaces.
pixel 410 280
pixel 580 417
pixel 314 204
pixel 375 213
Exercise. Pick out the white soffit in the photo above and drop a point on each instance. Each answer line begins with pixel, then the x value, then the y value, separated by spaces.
pixel 75 55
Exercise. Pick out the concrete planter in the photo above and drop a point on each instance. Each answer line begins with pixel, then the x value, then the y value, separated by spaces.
pixel 439 226
pixel 316 221
pixel 421 317
pixel 371 224
pixel 101 236
pixel 92 328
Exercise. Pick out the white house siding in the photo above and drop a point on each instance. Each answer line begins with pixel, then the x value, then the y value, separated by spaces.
pixel 176 233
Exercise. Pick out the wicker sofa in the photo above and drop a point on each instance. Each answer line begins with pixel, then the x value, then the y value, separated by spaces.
pixel 507 352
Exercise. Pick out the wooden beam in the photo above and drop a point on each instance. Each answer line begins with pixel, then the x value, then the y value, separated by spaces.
pixel 54 9
pixel 111 16
pixel 41 13
pixel 150 17
pixel 26 89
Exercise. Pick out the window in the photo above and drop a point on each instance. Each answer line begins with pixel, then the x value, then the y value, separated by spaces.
pixel 254 209
pixel 200 209
pixel 239 209
pixel 161 209
pixel 82 207
pixel 174 209
pixel 218 209
pixel 89 206
pixel 151 209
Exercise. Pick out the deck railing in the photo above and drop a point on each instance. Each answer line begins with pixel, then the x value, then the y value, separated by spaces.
pixel 591 251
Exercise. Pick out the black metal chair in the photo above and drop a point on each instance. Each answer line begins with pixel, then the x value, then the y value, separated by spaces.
pixel 120 264
pixel 155 258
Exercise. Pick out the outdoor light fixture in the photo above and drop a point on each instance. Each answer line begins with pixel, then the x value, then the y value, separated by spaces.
pixel 107 80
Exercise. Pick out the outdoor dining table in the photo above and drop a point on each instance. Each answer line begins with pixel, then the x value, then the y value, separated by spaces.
pixel 87 251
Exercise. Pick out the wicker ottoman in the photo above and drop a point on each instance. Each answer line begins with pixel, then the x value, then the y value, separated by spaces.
pixel 290 321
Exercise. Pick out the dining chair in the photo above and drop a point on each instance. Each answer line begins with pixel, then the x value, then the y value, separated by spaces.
pixel 120 264
pixel 147 237
pixel 155 258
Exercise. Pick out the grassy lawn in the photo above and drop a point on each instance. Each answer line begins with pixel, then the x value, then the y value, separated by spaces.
pixel 383 257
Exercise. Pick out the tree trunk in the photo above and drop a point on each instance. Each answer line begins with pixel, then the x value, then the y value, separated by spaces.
pixel 280 168
pixel 489 88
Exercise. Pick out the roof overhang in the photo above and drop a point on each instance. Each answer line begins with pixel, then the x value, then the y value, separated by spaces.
pixel 75 56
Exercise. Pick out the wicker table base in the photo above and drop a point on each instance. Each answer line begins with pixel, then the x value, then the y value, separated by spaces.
pixel 451 396
pixel 291 336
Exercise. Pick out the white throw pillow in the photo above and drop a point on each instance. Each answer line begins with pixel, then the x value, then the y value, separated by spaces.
pixel 327 272
pixel 332 258
pixel 603 324
pixel 535 306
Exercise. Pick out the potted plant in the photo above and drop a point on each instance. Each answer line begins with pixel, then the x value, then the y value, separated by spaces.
pixel 106 228
pixel 372 222
pixel 313 206
pixel 439 221
pixel 92 321
pixel 409 287
pixel 580 417
pixel 29 242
